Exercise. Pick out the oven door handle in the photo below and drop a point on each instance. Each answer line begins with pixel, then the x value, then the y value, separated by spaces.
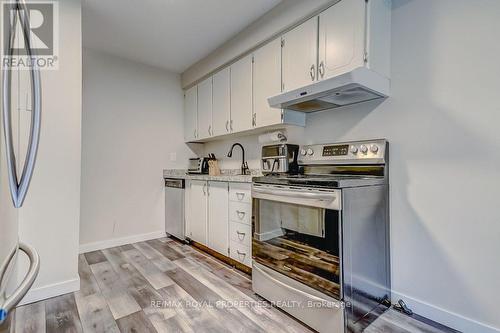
pixel 329 200
pixel 304 195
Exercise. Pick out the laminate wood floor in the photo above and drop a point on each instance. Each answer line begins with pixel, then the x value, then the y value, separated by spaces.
pixel 166 286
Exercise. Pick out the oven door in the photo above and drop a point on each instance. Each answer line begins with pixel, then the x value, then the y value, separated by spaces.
pixel 297 233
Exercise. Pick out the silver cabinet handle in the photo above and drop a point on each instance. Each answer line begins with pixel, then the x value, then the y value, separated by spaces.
pixel 312 72
pixel 240 195
pixel 210 130
pixel 254 120
pixel 241 253
pixel 194 134
pixel 227 125
pixel 321 69
pixel 231 125
pixel 204 187
pixel 242 234
pixel 25 285
pixel 241 215
pixel 19 189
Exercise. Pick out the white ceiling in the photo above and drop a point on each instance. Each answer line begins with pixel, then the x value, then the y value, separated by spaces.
pixel 172 34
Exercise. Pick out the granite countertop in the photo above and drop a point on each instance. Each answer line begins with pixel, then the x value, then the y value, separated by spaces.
pixel 231 175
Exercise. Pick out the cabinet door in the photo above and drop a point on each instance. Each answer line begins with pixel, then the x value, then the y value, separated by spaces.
pixel 266 83
pixel 300 51
pixel 218 220
pixel 221 110
pixel 198 211
pixel 190 113
pixel 241 95
pixel 341 38
pixel 205 109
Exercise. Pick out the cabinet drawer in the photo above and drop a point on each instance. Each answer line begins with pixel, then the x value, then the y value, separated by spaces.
pixel 240 212
pixel 241 253
pixel 240 233
pixel 240 193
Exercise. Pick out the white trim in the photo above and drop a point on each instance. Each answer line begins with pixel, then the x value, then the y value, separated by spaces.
pixel 120 241
pixel 51 290
pixel 443 316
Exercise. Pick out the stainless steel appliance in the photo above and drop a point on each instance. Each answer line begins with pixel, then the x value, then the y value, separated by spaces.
pixel 280 158
pixel 321 239
pixel 14 185
pixel 198 165
pixel 174 207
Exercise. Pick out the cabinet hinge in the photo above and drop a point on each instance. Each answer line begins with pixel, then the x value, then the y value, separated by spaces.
pixel 365 57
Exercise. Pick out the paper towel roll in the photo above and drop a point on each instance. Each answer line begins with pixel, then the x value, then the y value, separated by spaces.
pixel 277 136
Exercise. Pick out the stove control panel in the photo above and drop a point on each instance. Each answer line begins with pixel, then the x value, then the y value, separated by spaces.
pixel 356 152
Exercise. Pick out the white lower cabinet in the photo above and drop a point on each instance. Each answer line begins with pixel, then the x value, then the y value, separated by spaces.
pixel 218 227
pixel 219 216
pixel 197 211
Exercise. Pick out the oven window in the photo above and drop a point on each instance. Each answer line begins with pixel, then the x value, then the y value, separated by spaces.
pixel 299 241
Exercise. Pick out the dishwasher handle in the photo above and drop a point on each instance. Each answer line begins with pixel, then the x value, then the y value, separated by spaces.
pixel 174 182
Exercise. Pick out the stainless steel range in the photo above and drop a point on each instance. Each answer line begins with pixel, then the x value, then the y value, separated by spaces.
pixel 321 240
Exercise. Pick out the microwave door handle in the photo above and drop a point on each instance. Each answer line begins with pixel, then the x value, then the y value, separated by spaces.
pixel 7 113
pixel 36 90
pixel 25 285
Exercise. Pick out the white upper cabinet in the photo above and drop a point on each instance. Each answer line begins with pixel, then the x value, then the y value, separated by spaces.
pixel 241 95
pixel 190 113
pixel 205 109
pixel 341 38
pixel 300 51
pixel 266 83
pixel 221 107
pixel 218 217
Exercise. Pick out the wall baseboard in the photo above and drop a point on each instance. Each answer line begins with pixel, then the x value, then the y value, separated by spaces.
pixel 443 316
pixel 51 290
pixel 120 241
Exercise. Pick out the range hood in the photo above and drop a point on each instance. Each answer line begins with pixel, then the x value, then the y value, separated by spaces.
pixel 359 85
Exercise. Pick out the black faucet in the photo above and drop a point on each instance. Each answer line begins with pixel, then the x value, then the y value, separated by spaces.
pixel 244 165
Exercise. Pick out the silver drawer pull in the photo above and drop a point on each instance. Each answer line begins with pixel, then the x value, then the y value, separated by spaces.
pixel 286 268
pixel 241 253
pixel 241 215
pixel 240 195
pixel 242 234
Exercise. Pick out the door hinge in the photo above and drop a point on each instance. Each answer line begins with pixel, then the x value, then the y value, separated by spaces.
pixel 365 57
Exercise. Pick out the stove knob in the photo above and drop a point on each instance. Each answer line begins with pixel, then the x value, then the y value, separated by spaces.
pixel 374 149
pixel 310 151
pixel 364 149
pixel 303 152
pixel 354 149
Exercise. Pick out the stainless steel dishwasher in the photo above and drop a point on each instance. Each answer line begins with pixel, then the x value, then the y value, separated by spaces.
pixel 174 208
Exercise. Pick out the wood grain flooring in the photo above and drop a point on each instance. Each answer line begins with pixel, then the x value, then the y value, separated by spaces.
pixel 165 286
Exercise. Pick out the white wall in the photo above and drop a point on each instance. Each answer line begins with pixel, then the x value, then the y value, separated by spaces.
pixel 132 123
pixel 50 216
pixel 442 124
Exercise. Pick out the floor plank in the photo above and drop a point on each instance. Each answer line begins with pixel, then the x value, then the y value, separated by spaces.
pixel 159 260
pixel 30 318
pixel 120 302
pixel 95 257
pixel 62 315
pixel 95 314
pixel 155 277
pixel 88 284
pixel 165 250
pixel 136 322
